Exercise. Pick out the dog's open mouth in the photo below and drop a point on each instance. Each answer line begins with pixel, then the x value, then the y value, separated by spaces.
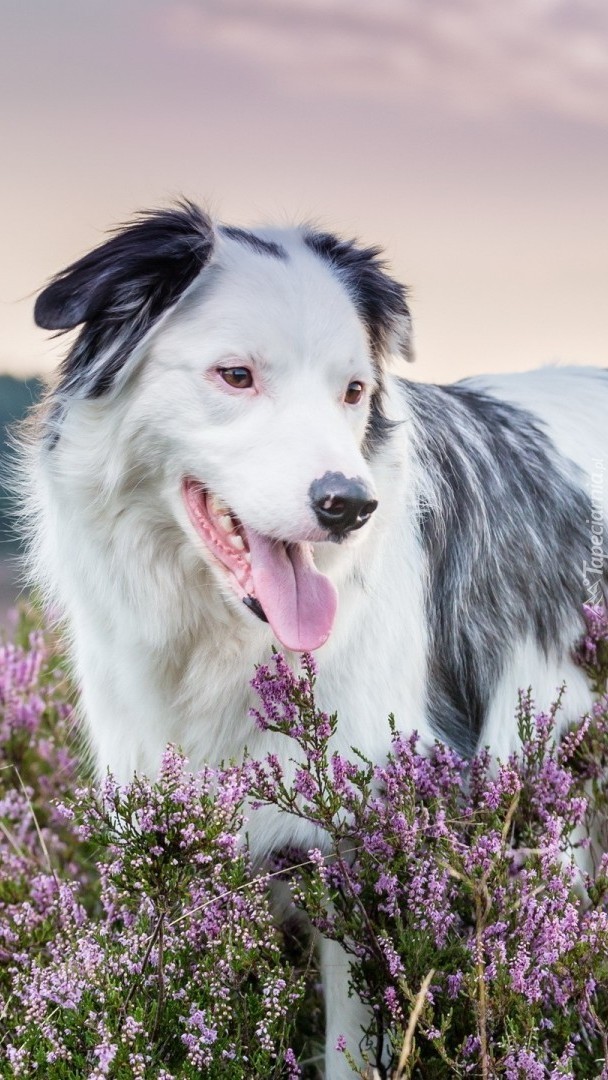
pixel 277 581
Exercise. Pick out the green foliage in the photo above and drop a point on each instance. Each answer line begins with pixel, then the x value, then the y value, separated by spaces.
pixel 16 397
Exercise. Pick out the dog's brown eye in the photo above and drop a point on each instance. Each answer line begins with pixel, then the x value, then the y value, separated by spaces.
pixel 238 377
pixel 354 393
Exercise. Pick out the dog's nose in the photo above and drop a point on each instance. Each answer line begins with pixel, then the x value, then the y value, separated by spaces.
pixel 341 504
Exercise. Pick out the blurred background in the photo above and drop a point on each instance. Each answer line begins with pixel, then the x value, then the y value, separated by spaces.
pixel 467 137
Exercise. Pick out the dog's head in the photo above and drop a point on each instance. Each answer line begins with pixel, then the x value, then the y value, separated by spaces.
pixel 255 360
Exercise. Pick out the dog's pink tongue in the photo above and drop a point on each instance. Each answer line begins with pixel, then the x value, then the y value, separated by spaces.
pixel 299 602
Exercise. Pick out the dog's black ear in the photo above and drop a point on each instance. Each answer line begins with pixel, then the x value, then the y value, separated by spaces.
pixel 121 289
pixel 380 300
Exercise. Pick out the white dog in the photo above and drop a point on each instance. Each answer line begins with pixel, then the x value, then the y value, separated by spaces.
pixel 225 465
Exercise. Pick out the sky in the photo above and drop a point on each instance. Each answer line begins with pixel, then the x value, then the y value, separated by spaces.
pixel 468 137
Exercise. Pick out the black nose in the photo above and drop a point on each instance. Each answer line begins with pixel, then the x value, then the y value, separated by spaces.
pixel 340 504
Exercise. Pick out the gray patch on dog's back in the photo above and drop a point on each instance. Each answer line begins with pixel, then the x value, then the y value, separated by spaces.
pixel 506 539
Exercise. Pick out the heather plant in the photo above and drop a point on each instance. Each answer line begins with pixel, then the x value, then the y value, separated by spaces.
pixel 456 887
pixel 136 938
pixel 162 960
pixel 39 763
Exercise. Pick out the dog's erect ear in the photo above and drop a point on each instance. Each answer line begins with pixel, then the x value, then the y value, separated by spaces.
pixel 121 289
pixel 380 300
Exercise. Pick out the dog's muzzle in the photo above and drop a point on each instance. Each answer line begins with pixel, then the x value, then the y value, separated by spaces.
pixel 341 505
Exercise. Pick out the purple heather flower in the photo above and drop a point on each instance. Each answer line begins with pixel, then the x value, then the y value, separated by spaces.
pixel 416 859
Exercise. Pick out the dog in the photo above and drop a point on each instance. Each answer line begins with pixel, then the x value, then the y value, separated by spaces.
pixel 226 464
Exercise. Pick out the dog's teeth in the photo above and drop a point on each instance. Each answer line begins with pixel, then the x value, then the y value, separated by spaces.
pixel 216 506
pixel 237 542
pixel 226 523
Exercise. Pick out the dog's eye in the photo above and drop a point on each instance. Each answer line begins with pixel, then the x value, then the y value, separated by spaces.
pixel 238 377
pixel 354 393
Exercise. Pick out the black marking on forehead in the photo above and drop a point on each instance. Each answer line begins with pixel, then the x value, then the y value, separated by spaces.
pixel 380 300
pixel 503 528
pixel 256 243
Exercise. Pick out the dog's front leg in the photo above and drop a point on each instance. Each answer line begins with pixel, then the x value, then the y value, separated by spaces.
pixel 345 1014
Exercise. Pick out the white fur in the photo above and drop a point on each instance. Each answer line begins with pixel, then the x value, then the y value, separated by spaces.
pixel 163 650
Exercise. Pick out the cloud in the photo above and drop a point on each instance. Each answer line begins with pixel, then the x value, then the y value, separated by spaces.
pixel 467 57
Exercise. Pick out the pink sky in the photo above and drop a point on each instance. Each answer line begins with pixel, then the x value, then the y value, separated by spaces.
pixel 470 138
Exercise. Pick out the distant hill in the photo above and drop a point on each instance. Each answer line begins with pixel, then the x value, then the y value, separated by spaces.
pixel 16 397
